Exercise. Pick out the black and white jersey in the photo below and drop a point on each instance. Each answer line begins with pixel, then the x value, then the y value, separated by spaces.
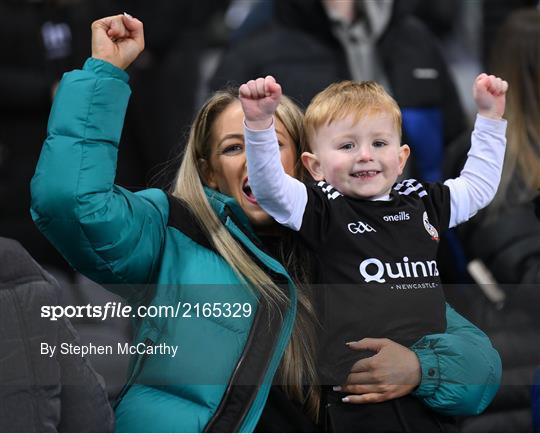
pixel 377 267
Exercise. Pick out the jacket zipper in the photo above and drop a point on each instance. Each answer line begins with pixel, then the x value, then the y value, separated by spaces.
pixel 253 396
pixel 286 330
pixel 234 375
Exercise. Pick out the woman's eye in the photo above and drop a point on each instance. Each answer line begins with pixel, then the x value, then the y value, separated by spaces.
pixel 347 146
pixel 232 149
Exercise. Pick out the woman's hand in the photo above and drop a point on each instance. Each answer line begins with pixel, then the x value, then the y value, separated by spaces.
pixel 118 39
pixel 391 373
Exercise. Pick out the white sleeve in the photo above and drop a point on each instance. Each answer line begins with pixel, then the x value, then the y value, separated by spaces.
pixel 280 195
pixel 477 184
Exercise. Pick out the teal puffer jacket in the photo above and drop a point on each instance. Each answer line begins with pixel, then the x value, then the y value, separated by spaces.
pixel 149 246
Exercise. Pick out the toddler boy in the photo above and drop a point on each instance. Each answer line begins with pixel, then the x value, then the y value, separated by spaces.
pixel 375 239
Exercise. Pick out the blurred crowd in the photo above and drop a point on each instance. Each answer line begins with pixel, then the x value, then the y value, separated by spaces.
pixel 426 53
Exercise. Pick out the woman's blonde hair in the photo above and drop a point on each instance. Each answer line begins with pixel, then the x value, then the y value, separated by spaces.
pixel 516 58
pixel 298 365
pixel 346 98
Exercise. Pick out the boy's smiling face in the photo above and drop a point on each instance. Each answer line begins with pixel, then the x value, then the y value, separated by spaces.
pixel 361 159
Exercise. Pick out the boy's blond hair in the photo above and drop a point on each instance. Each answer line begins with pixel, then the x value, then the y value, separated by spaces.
pixel 339 100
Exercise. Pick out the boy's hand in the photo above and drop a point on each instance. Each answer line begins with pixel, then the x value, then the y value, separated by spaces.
pixel 260 99
pixel 490 95
pixel 118 39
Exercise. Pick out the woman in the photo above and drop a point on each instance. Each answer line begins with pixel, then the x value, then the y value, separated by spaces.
pixel 202 244
pixel 506 235
pixel 516 52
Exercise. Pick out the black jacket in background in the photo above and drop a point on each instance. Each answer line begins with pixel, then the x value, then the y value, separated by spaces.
pixel 39 393
pixel 300 50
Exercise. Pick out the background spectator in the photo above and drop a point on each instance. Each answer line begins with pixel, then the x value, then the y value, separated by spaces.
pixel 42 393
pixel 506 236
pixel 41 40
pixel 312 43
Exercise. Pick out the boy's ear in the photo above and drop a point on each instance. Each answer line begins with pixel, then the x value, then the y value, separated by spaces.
pixel 404 152
pixel 208 173
pixel 312 164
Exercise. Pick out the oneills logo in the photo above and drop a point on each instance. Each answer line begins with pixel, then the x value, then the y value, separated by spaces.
pixel 401 216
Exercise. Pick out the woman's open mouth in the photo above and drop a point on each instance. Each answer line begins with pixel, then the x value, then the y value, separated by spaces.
pixel 246 189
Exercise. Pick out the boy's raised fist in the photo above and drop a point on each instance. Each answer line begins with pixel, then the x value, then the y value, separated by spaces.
pixel 490 95
pixel 260 99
